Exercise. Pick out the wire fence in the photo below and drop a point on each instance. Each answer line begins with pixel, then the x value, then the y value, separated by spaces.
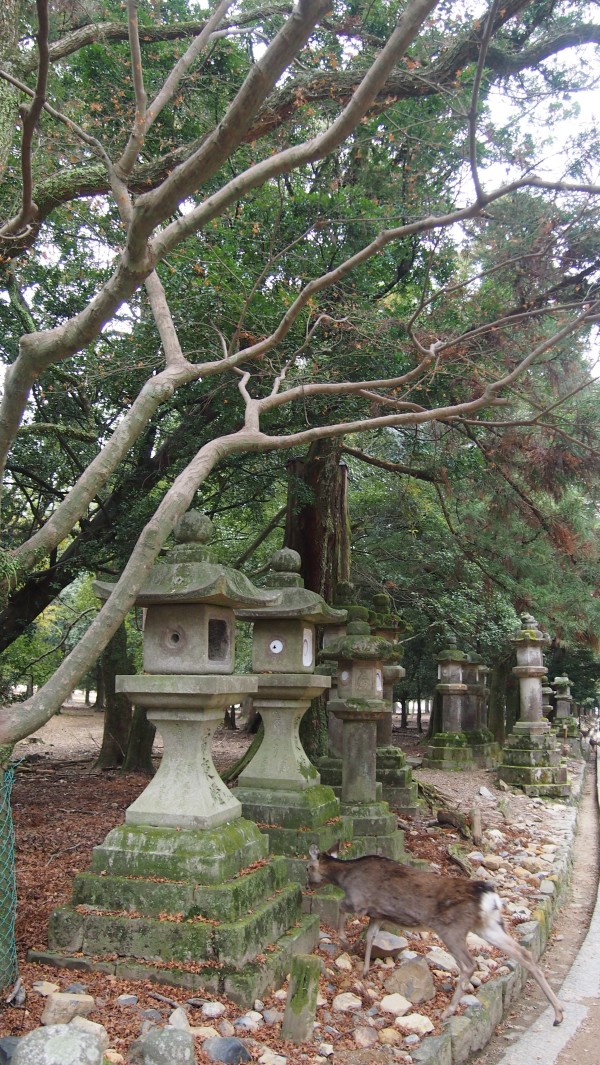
pixel 8 885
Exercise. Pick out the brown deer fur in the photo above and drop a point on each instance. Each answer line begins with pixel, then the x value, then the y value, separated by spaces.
pixel 384 890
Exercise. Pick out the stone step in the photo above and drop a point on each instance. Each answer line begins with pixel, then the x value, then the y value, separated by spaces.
pixel 173 938
pixel 222 902
pixel 243 986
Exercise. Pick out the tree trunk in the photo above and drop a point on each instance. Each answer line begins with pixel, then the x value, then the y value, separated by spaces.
pixel 99 704
pixel 117 711
pixel 497 707
pixel 9 99
pixel 404 712
pixel 138 757
pixel 317 527
pixel 435 720
pixel 314 729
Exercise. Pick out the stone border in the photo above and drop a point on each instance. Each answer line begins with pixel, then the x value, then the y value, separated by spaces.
pixel 472 1031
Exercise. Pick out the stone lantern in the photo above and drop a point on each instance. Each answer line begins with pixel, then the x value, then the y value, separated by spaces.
pixel 451 686
pixel 565 723
pixel 280 787
pixel 185 884
pixel 530 758
pixel 359 705
pixel 189 650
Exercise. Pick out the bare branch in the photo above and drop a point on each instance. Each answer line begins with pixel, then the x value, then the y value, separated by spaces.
pixel 485 41
pixel 30 117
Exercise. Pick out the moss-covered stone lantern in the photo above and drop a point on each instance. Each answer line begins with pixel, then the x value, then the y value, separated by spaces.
pixel 530 758
pixel 189 649
pixel 280 787
pixel 359 704
pixel 184 891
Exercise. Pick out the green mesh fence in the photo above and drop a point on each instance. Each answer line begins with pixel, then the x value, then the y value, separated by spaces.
pixel 8 886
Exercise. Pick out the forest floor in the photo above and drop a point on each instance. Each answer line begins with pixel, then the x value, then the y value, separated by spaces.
pixel 63 807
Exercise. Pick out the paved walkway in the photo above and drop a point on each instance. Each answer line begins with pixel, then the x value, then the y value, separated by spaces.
pixel 577 1040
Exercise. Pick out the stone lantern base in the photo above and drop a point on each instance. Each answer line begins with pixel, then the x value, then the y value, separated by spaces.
pixel 531 761
pixel 392 772
pixel 462 750
pixel 177 907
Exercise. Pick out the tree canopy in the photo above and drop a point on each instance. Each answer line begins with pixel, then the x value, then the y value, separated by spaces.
pixel 230 233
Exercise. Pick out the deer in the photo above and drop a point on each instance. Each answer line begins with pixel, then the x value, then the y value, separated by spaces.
pixel 385 890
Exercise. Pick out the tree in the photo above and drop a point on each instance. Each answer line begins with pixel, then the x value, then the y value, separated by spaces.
pixel 354 329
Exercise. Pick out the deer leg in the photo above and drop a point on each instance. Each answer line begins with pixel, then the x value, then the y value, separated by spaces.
pixel 342 927
pixel 499 937
pixel 372 931
pixel 466 968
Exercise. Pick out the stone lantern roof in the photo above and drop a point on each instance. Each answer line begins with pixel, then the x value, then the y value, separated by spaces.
pixel 187 574
pixel 290 599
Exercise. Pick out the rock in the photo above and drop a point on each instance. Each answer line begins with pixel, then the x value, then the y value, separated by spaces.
pixel 269 1057
pixel 127 1000
pixel 57 1043
pixel 344 962
pixel 113 1057
pixel 8 1044
pixel 326 1049
pixel 97 1030
pixel 76 989
pixel 226 1029
pixel 163 1046
pixel 259 1005
pixel 413 980
pixel 365 1037
pixel 547 887
pixel 179 1019
pixel 213 1009
pixel 272 1016
pixel 487 794
pixel 388 945
pixel 347 1002
pixel 389 1036
pixel 205 1031
pixel 61 1007
pixel 441 959
pixel 415 1024
pixel 44 987
pixel 250 1021
pixel 470 1000
pixel 230 1051
pixel 412 1040
pixel 396 1004
pixel 493 862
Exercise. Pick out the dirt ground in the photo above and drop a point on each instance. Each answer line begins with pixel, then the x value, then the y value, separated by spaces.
pixel 63 807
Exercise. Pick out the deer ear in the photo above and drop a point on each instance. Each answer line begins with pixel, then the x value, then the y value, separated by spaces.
pixel 333 851
pixel 313 851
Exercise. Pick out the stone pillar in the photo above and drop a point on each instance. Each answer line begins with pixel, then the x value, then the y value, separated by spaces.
pixel 531 759
pixel 471 714
pixel 359 706
pixel 451 686
pixel 564 721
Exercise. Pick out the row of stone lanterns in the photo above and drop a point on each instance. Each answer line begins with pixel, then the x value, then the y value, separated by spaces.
pixel 185 890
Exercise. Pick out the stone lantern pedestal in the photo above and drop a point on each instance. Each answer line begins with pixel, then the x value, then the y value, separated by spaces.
pixel 392 770
pixel 280 788
pixel 531 757
pixel 565 724
pixel 465 741
pixel 359 706
pixel 184 892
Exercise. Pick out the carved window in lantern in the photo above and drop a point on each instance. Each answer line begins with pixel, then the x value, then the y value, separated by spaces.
pixel 218 640
pixel 308 657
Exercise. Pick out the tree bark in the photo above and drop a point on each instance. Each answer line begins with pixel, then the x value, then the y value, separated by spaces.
pixel 497 707
pixel 117 711
pixel 138 757
pixel 317 524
